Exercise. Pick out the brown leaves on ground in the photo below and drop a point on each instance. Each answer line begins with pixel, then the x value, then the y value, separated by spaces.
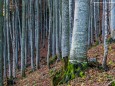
pixel 94 76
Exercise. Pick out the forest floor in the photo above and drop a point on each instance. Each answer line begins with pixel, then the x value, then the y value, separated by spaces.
pixel 93 77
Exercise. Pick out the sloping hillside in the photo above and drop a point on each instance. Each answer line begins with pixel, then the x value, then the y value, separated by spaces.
pixel 94 76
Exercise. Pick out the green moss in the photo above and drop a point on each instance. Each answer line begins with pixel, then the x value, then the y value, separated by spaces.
pixel 96 43
pixel 63 76
pixel 110 40
pixel 53 59
pixel 113 83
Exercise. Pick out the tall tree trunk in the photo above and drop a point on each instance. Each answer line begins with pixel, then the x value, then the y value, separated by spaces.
pixel 57 29
pixel 1 43
pixel 65 31
pixel 14 40
pixel 37 34
pixel 23 39
pixel 71 18
pixel 16 32
pixel 54 30
pixel 32 32
pixel 104 62
pixel 50 32
pixel 8 37
pixel 112 17
pixel 78 51
pixel 5 42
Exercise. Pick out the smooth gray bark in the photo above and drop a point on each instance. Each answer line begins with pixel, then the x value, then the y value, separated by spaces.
pixel 104 62
pixel 37 34
pixel 71 18
pixel 32 33
pixel 65 28
pixel 78 51
pixel 112 19
pixel 50 32
pixel 57 29
pixel 23 39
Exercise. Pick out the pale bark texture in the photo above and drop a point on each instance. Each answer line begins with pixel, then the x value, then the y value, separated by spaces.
pixel 104 62
pixel 37 34
pixel 71 18
pixel 78 51
pixel 50 32
pixel 112 19
pixel 65 28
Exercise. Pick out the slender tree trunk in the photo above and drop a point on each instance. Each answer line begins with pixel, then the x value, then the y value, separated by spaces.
pixel 23 40
pixel 65 31
pixel 112 17
pixel 54 31
pixel 37 34
pixel 1 42
pixel 57 29
pixel 104 62
pixel 32 33
pixel 50 32
pixel 16 32
pixel 5 42
pixel 71 18
pixel 14 41
pixel 8 38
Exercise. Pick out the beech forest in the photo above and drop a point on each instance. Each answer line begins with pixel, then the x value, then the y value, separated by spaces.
pixel 57 42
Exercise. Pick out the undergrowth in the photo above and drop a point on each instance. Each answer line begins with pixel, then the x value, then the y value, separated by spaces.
pixel 63 76
pixel 53 59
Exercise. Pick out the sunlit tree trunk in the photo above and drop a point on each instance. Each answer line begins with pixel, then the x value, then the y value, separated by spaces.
pixel 78 51
pixel 112 17
pixel 104 62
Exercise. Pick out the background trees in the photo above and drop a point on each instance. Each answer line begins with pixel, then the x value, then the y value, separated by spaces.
pixel 64 28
